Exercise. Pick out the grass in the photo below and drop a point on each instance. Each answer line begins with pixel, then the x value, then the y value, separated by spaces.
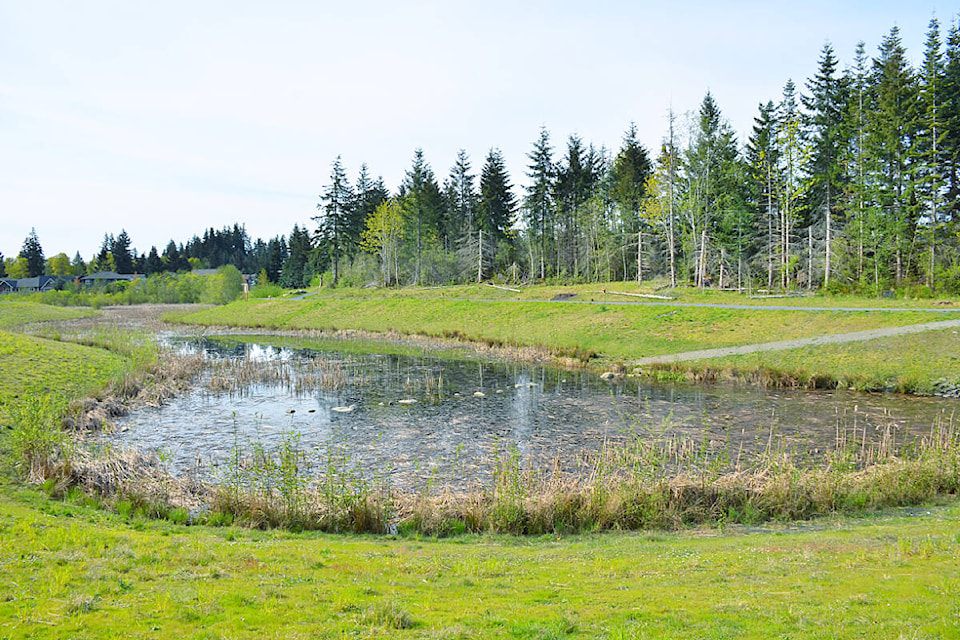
pixel 924 365
pixel 32 367
pixel 613 335
pixel 14 314
pixel 69 570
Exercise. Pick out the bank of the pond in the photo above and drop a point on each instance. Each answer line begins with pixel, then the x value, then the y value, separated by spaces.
pixel 71 570
pixel 612 337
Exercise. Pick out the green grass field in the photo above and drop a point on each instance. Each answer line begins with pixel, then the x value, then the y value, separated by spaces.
pixel 69 569
pixel 614 335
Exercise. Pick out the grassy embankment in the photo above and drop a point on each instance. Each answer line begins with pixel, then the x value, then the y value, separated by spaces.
pixel 70 570
pixel 613 335
pixel 67 570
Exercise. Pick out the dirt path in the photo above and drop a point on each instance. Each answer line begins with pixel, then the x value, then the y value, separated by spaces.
pixel 854 336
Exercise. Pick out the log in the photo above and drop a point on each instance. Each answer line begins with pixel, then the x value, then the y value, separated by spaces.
pixel 637 295
pixel 496 286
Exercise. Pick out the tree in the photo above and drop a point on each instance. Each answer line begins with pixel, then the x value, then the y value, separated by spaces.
pixel 120 250
pixel 498 206
pixel 824 121
pixel 461 199
pixel 792 182
pixel 890 134
pixel 78 267
pixel 710 167
pixel 334 223
pixel 931 124
pixel 58 265
pixel 153 263
pixel 422 204
pixel 629 175
pixel 762 161
pixel 538 203
pixel 382 235
pixel 3 267
pixel 296 272
pixel 32 253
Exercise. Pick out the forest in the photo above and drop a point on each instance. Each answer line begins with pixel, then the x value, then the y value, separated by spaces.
pixel 846 183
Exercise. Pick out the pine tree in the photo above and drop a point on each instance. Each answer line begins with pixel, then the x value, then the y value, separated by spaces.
pixel 78 267
pixel 628 177
pixel 763 179
pixel 929 144
pixel 32 253
pixel 460 199
pixel 497 206
pixel 295 271
pixel 890 134
pixel 422 205
pixel 951 120
pixel 120 250
pixel 823 122
pixel 538 204
pixel 334 223
pixel 152 264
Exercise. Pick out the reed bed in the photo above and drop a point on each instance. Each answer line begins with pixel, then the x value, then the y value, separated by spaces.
pixel 666 483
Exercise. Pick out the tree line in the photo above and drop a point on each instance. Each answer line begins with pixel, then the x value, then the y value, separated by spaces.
pixel 849 182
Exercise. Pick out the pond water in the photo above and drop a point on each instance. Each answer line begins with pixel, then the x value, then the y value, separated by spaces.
pixel 418 418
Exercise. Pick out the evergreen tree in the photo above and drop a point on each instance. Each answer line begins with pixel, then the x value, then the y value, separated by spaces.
pixel 538 204
pixel 629 174
pixel 824 121
pixel 32 253
pixel 763 179
pixel 295 271
pixel 152 264
pixel 276 256
pixel 334 224
pixel 951 121
pixel 422 205
pixel 890 134
pixel 497 207
pixel 3 267
pixel 173 258
pixel 368 196
pixel 930 159
pixel 710 166
pixel 78 267
pixel 120 250
pixel 460 199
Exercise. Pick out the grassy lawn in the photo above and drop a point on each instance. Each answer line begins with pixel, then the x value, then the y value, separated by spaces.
pixel 614 332
pixel 610 292
pixel 70 571
pixel 617 334
pixel 14 314
pixel 913 364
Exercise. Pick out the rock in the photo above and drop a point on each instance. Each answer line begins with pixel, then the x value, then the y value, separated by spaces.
pixel 608 375
pixel 479 394
pixel 346 409
pixel 408 401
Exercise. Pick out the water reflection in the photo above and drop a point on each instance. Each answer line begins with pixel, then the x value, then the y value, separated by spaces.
pixel 420 418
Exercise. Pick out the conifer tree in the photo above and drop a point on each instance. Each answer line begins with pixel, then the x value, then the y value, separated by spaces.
pixel 334 222
pixel 32 253
pixel 823 121
pixel 538 204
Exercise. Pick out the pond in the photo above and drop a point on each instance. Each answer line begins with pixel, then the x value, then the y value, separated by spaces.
pixel 417 417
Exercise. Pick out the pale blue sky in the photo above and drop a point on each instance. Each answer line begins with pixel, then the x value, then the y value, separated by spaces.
pixel 165 118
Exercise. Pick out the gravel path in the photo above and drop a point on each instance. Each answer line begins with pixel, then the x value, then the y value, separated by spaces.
pixel 854 336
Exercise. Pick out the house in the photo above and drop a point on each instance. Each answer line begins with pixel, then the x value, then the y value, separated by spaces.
pixel 40 284
pixel 104 278
pixel 8 285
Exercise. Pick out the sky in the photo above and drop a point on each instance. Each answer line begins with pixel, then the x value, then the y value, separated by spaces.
pixel 168 118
